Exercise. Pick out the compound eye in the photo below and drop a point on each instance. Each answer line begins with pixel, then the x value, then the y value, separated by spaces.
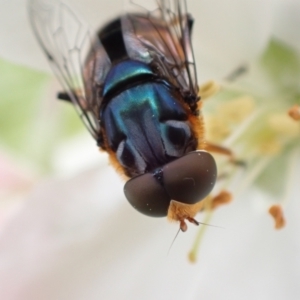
pixel 147 195
pixel 190 178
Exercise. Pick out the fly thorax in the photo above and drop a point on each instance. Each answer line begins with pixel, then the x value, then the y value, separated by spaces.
pixel 147 127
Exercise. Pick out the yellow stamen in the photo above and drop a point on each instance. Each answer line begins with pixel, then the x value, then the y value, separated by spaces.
pixel 193 254
pixel 209 205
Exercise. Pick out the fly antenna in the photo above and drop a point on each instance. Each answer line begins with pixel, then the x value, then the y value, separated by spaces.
pixel 211 225
pixel 197 223
pixel 173 241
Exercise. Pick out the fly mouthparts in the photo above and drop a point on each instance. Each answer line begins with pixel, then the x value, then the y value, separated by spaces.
pixel 183 225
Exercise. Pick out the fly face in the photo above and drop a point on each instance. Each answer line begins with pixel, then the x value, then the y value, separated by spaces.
pixel 136 91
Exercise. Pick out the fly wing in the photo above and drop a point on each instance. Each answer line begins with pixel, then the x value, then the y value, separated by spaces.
pixel 164 35
pixel 66 40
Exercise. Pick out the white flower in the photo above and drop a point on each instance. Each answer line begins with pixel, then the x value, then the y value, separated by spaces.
pixel 75 237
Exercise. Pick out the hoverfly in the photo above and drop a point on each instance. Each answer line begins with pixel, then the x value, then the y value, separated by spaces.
pixel 136 91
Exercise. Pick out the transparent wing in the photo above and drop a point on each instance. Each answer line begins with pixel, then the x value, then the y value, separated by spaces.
pixel 66 40
pixel 179 22
pixel 165 33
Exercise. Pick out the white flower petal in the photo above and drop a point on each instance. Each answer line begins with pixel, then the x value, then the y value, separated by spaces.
pixel 287 22
pixel 79 239
pixel 229 33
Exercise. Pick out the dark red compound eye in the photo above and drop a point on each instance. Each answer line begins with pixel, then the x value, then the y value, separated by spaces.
pixel 147 195
pixel 188 179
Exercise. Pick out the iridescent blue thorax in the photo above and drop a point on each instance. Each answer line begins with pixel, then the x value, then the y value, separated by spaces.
pixel 144 122
pixel 125 73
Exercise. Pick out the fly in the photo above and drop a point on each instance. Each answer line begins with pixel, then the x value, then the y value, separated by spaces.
pixel 134 85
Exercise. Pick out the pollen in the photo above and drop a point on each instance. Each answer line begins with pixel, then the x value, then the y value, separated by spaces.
pixel 192 256
pixel 208 90
pixel 238 109
pixel 294 112
pixel 224 197
pixel 217 128
pixel 283 125
pixel 271 147
pixel 277 214
pixel 227 116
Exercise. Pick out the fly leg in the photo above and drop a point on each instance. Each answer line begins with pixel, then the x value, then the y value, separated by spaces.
pixel 64 96
pixel 210 147
pixel 80 100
